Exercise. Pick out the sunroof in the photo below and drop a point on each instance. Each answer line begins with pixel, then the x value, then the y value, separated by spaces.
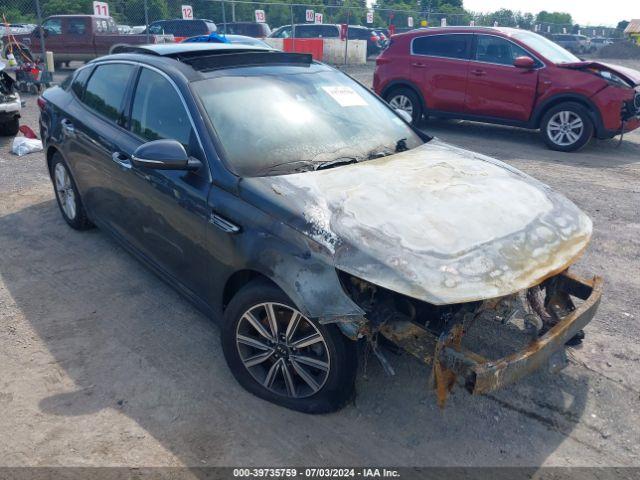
pixel 212 61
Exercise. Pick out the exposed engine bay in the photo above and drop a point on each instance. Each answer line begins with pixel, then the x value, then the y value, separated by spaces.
pixel 461 340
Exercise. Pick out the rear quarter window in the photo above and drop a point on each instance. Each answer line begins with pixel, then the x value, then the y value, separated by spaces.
pixel 445 46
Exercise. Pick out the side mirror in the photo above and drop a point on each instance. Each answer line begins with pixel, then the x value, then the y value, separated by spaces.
pixel 164 155
pixel 527 63
pixel 406 116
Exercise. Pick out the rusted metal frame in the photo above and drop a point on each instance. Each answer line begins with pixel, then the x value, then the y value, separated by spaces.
pixel 484 376
pixel 481 375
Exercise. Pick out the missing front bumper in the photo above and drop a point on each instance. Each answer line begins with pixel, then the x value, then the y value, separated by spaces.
pixel 481 375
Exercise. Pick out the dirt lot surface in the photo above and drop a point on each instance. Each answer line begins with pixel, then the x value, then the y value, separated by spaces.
pixel 102 364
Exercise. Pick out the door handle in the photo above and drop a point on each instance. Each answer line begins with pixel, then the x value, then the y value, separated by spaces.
pixel 67 126
pixel 419 65
pixel 122 159
pixel 222 223
pixel 478 72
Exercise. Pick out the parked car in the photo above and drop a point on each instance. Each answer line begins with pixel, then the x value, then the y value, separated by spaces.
pixel 181 29
pixel 10 105
pixel 248 29
pixel 124 29
pixel 577 44
pixel 330 30
pixel 508 76
pixel 599 42
pixel 298 209
pixel 307 30
pixel 75 37
pixel 222 38
pixel 374 42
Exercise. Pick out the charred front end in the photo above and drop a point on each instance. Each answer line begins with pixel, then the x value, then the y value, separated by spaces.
pixel 486 344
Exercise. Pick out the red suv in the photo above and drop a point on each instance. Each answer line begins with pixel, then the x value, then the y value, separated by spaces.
pixel 508 76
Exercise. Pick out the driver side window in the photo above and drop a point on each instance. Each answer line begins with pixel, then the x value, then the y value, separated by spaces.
pixel 158 112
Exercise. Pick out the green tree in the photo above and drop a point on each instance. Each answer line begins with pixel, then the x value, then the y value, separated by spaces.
pixel 622 25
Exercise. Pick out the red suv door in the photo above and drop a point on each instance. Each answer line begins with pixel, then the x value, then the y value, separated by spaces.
pixel 495 87
pixel 439 65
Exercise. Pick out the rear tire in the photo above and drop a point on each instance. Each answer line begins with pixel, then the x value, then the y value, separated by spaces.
pixel 67 195
pixel 406 99
pixel 314 378
pixel 10 128
pixel 567 127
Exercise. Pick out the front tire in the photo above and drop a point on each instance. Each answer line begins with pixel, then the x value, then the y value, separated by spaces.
pixel 406 99
pixel 281 356
pixel 67 195
pixel 567 127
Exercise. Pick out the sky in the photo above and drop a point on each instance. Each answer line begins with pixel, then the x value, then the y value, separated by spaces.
pixel 584 12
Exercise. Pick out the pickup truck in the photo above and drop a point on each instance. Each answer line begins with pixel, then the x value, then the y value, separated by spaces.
pixel 74 37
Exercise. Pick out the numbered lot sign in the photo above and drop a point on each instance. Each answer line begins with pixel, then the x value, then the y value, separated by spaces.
pixel 310 16
pixel 318 18
pixel 260 16
pixel 369 16
pixel 187 12
pixel 409 21
pixel 101 9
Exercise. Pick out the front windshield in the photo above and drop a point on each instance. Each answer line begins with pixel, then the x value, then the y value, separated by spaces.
pixel 279 120
pixel 545 47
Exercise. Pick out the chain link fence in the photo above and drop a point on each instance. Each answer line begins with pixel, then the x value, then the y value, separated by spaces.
pixel 21 18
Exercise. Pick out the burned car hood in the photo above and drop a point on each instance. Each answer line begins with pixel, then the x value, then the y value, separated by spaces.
pixel 437 223
pixel 629 74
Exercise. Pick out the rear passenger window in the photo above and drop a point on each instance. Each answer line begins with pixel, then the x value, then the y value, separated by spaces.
pixel 106 89
pixel 158 112
pixel 447 46
pixel 78 83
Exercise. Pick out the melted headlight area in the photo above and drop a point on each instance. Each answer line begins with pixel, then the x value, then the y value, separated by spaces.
pixel 462 341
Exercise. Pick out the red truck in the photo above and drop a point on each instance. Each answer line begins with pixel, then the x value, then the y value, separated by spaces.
pixel 75 37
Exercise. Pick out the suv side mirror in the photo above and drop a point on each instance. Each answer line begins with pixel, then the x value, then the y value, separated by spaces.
pixel 524 62
pixel 164 155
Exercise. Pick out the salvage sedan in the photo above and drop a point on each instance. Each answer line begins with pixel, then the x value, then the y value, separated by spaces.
pixel 256 183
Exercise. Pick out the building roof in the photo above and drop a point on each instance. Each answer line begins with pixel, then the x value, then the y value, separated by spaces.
pixel 633 27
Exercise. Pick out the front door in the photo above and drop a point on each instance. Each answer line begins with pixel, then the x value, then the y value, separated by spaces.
pixel 164 212
pixel 439 65
pixel 496 88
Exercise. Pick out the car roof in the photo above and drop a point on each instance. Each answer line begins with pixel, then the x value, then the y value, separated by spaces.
pixel 507 31
pixel 174 49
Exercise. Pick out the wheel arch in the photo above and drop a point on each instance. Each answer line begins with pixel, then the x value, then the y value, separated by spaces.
pixel 51 151
pixel 239 280
pixel 403 84
pixel 554 101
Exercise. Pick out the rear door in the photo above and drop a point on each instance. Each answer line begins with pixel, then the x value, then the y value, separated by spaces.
pixel 495 87
pixel 439 66
pixel 96 125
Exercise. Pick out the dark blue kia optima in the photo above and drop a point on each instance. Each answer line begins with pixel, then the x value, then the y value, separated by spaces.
pixel 298 209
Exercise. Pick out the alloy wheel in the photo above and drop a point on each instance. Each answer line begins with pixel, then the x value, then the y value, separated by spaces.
pixel 565 128
pixel 283 350
pixel 402 102
pixel 64 191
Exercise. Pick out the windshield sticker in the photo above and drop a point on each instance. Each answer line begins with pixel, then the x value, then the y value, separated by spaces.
pixel 345 96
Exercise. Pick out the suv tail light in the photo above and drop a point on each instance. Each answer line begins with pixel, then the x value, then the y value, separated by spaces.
pixel 42 103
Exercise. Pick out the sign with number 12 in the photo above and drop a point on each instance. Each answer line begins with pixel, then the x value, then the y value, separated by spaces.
pixel 187 12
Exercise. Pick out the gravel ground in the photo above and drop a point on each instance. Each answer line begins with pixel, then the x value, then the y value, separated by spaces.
pixel 101 364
